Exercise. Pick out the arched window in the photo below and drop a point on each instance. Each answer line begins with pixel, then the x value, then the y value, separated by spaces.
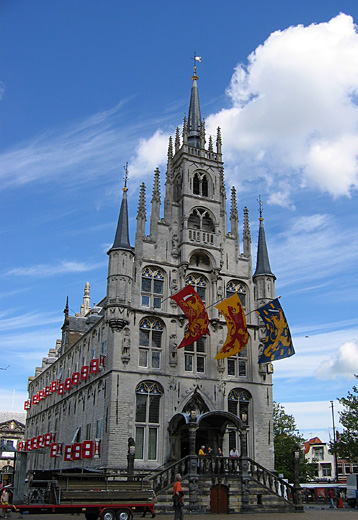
pixel 152 287
pixel 199 283
pixel 200 184
pixel 200 259
pixel 200 219
pixel 235 286
pixel 150 343
pixel 148 394
pixel 238 403
pixel 201 226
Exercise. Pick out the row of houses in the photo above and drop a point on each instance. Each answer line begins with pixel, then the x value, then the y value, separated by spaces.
pixel 328 468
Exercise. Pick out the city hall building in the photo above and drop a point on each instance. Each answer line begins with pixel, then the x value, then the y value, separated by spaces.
pixel 117 375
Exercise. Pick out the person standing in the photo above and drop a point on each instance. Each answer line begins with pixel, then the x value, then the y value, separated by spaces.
pixel 5 500
pixel 331 497
pixel 234 453
pixel 178 500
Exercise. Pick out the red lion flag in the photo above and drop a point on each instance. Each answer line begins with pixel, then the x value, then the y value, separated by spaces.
pixel 190 303
pixel 237 335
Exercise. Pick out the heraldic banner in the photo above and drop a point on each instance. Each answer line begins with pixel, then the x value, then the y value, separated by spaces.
pixel 237 335
pixel 278 342
pixel 191 304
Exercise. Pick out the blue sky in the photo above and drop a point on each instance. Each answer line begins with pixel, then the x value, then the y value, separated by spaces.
pixel 86 86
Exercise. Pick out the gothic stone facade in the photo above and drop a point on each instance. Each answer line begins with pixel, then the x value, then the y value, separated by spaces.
pixel 146 388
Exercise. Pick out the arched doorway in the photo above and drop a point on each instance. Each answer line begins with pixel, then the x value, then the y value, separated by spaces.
pixel 219 499
pixel 211 429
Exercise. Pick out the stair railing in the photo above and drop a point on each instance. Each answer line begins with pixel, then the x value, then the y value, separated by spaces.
pixel 275 484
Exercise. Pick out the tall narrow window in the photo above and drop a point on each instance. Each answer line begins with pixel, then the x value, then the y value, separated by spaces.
pixel 148 394
pixel 195 356
pixel 237 365
pixel 200 184
pixel 150 343
pixel 238 404
pixel 152 288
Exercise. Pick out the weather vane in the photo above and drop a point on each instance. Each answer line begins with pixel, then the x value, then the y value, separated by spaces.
pixel 125 178
pixel 260 206
pixel 195 59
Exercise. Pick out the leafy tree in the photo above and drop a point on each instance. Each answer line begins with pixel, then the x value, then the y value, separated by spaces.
pixel 286 439
pixel 346 446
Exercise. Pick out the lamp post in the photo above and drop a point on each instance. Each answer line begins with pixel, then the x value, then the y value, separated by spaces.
pixel 297 498
pixel 334 443
pixel 130 458
pixel 193 426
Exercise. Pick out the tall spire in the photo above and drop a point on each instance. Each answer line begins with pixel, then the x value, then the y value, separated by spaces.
pixel 154 217
pixel 263 263
pixel 194 118
pixel 234 217
pixel 121 240
pixel 141 214
pixel 247 234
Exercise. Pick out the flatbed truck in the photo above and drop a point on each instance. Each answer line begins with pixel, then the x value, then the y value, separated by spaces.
pixel 104 496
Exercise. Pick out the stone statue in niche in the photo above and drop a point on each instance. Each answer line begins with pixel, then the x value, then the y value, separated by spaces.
pixel 173 347
pixel 126 345
pixel 175 243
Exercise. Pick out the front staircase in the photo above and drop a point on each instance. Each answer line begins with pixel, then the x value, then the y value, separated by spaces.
pixel 245 485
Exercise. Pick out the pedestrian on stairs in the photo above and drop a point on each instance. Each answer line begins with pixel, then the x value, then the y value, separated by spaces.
pixel 178 501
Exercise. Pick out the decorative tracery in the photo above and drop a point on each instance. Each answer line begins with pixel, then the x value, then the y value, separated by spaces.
pixel 235 286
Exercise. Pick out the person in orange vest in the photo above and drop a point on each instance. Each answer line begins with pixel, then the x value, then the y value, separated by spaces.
pixel 178 500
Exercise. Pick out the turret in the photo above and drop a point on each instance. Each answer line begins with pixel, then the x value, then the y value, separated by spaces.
pixel 121 256
pixel 263 276
pixel 121 239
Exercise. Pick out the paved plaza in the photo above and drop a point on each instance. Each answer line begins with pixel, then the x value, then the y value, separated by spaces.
pixel 310 513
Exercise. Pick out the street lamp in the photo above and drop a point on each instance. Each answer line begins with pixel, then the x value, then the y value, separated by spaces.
pixel 334 443
pixel 296 479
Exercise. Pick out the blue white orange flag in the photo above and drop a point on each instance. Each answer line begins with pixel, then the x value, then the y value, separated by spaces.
pixel 191 304
pixel 278 341
pixel 237 335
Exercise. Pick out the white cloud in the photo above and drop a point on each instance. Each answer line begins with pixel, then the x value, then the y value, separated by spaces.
pixel 2 89
pixel 294 114
pixel 314 417
pixel 12 400
pixel 87 149
pixel 149 154
pixel 311 249
pixel 313 350
pixel 45 270
pixel 30 319
pixel 343 363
